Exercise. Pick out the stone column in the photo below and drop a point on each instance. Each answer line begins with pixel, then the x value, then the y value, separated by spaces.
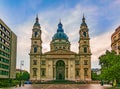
pixel 66 76
pixel 54 75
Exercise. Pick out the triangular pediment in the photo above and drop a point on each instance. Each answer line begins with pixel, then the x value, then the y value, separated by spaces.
pixel 60 51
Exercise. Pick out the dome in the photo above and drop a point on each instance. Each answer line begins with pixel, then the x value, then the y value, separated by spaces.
pixel 37 24
pixel 60 35
pixel 83 24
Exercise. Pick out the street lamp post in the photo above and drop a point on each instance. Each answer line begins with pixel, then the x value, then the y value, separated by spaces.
pixel 21 64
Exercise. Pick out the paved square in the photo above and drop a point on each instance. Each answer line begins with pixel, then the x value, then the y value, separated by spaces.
pixel 62 86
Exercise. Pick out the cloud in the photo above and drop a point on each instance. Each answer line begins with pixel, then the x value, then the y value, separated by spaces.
pixel 71 20
pixel 48 21
pixel 116 2
pixel 99 45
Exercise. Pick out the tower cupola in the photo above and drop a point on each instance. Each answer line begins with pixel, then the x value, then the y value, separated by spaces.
pixel 60 29
pixel 83 21
pixel 36 24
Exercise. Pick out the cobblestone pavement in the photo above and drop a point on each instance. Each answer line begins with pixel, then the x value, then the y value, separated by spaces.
pixel 61 86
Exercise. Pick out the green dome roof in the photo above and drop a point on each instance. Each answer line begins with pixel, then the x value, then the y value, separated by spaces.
pixel 60 33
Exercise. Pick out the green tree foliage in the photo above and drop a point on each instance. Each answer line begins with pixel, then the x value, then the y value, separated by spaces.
pixel 95 76
pixel 17 76
pixel 110 66
pixel 24 76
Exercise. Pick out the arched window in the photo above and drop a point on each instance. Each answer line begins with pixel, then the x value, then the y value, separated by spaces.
pixel 85 49
pixel 85 62
pixel 85 71
pixel 34 62
pixel 43 71
pixel 35 34
pixel 34 71
pixel 77 72
pixel 35 49
pixel 55 47
pixel 84 33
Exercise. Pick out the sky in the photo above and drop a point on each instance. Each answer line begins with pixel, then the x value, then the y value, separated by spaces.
pixel 102 18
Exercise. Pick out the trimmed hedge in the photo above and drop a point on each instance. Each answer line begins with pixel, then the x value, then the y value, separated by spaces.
pixel 8 83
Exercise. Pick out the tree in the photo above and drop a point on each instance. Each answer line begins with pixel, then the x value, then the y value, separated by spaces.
pixel 17 76
pixel 110 66
pixel 25 76
pixel 95 76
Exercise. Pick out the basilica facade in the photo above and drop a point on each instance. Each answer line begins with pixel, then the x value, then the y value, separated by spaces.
pixel 60 63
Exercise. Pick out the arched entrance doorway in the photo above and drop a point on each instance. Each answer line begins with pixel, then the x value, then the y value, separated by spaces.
pixel 60 70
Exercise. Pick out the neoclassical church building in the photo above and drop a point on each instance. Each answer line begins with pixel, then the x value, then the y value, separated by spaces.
pixel 60 63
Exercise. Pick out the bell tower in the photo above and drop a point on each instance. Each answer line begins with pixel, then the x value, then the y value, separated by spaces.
pixel 36 47
pixel 35 51
pixel 84 50
pixel 84 44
